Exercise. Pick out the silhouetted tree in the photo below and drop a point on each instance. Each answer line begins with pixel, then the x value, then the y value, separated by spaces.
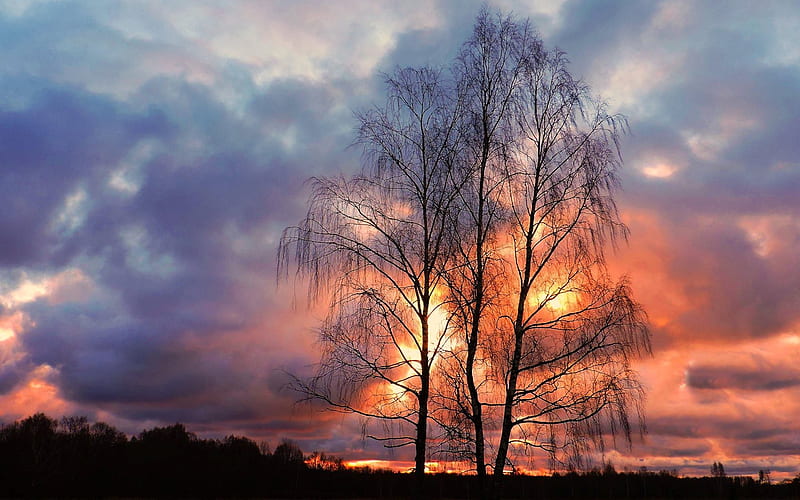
pixel 608 469
pixel 468 256
pixel 240 446
pixel 486 81
pixel 36 444
pixel 288 453
pixel 75 425
pixel 106 435
pixel 175 434
pixel 320 461
pixel 545 327
pixel 378 242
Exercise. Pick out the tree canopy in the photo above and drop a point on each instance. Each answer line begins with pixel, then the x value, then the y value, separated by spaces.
pixel 471 308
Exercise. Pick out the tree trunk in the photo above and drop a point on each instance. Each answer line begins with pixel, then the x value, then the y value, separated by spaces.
pixel 508 405
pixel 477 411
pixel 419 458
pixel 472 345
pixel 422 423
pixel 513 374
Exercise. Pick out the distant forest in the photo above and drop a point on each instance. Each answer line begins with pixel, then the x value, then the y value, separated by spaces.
pixel 41 456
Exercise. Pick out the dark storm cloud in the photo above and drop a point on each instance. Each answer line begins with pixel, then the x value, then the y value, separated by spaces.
pixel 754 166
pixel 181 259
pixel 787 444
pixel 143 368
pixel 726 278
pixel 14 368
pixel 181 274
pixel 734 428
pixel 65 137
pixel 311 125
pixel 592 28
pixel 762 377
pixel 434 47
pixel 738 293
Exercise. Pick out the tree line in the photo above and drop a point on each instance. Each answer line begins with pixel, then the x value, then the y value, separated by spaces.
pixel 471 312
pixel 44 457
pixel 41 456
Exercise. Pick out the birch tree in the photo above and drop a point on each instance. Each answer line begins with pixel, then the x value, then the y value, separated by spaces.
pixel 466 263
pixel 547 336
pixel 377 244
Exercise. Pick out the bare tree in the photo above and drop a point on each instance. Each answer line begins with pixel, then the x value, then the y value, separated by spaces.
pixel 546 335
pixel 466 262
pixel 573 330
pixel 489 70
pixel 378 243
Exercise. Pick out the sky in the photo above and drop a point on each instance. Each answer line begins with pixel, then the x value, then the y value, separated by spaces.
pixel 151 153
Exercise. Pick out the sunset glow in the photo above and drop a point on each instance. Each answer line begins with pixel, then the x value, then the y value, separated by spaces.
pixel 150 159
pixel 553 301
pixel 660 171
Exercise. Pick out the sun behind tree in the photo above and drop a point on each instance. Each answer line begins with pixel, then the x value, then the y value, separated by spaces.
pixel 466 262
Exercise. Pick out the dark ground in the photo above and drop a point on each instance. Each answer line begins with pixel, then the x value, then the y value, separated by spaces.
pixel 40 457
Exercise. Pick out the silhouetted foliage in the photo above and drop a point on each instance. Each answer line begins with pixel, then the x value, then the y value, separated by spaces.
pixel 43 457
pixel 288 454
pixel 321 461
pixel 40 456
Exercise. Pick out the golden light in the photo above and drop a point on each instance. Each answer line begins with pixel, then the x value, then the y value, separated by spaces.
pixel 438 320
pixel 27 291
pixel 659 171
pixel 11 324
pixel 6 333
pixel 555 302
pixel 375 464
pixel 38 394
pixel 792 339
pixel 406 466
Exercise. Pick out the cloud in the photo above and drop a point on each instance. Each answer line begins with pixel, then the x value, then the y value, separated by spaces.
pixel 755 374
pixel 166 198
pixel 51 150
pixel 14 366
pixel 170 257
pixel 707 165
pixel 152 154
